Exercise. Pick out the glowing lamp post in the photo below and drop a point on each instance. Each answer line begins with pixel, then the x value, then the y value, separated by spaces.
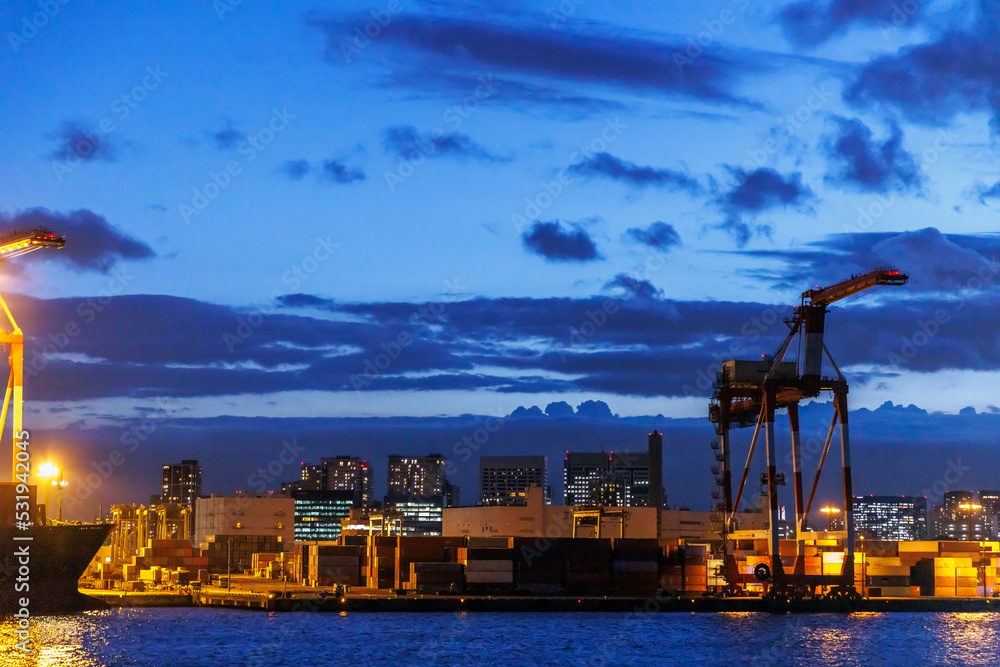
pixel 51 471
pixel 830 512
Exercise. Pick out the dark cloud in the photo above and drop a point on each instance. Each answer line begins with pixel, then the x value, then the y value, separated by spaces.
pixel 525 96
pixel 861 162
pixel 559 409
pixel 753 193
pixel 554 243
pixel 642 348
pixel 934 82
pixel 634 287
pixel 296 169
pixel 229 137
pixel 529 49
pixel 594 410
pixel 935 262
pixel 810 23
pixel 302 300
pixel 405 140
pixel 988 192
pixel 339 172
pixel 609 166
pixel 75 142
pixel 763 189
pixel 659 235
pixel 92 243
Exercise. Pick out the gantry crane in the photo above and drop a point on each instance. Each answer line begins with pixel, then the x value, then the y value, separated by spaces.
pixel 13 244
pixel 747 393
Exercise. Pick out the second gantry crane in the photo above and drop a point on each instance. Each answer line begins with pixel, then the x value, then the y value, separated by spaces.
pixel 747 393
pixel 12 244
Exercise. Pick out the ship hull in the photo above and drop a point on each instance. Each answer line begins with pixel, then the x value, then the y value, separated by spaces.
pixel 41 566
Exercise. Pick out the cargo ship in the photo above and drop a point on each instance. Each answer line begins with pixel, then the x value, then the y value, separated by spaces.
pixel 41 563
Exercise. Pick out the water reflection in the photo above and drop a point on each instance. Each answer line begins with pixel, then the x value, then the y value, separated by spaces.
pixel 211 637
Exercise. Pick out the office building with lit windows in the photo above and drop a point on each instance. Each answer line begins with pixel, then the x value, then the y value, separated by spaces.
pixel 318 514
pixel 421 515
pixel 349 473
pixel 416 475
pixel 583 474
pixel 340 473
pixel 618 479
pixel 313 477
pixel 961 517
pixel 504 480
pixel 181 484
pixel 630 470
pixel 890 517
pixel 990 500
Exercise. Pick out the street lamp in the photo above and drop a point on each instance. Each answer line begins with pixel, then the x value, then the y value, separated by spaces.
pixel 829 512
pixel 51 471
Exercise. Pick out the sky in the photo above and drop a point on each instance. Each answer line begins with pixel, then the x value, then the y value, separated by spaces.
pixel 309 220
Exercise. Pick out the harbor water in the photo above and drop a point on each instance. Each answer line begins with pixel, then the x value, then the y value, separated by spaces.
pixel 196 636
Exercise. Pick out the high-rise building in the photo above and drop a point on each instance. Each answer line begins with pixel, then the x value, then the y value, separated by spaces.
pixel 990 500
pixel 619 479
pixel 348 473
pixel 313 477
pixel 504 480
pixel 318 514
pixel 631 472
pixel 960 517
pixel 584 474
pixel 417 475
pixel 901 518
pixel 181 483
pixel 656 470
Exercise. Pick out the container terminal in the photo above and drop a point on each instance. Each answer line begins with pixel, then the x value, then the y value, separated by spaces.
pixel 597 558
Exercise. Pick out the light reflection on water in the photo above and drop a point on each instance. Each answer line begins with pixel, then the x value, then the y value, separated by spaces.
pixel 198 637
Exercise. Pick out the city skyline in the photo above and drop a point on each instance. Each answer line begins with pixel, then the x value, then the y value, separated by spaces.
pixel 332 214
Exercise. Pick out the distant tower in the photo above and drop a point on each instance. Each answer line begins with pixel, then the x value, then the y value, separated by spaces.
pixel 656 474
pixel 181 483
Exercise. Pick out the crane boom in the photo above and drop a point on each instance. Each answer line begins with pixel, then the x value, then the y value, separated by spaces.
pixel 824 296
pixel 12 244
pixel 812 313
pixel 17 243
